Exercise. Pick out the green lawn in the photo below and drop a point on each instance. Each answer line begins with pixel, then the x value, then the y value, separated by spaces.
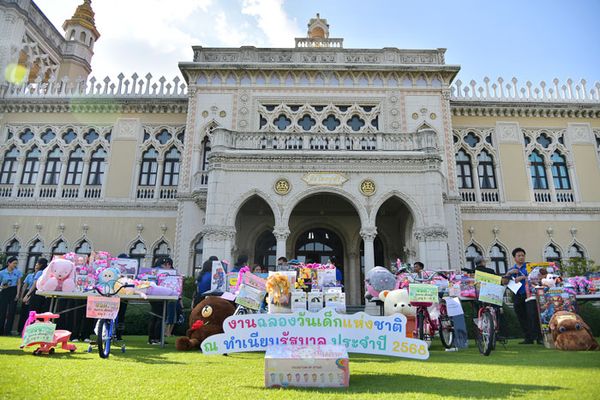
pixel 517 371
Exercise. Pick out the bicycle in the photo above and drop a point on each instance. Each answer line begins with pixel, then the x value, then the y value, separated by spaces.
pixel 427 326
pixel 488 328
pixel 106 328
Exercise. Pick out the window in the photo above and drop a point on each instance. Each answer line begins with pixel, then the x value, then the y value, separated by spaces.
pixel 575 251
pixel 69 136
pixel 161 251
pixel 171 168
pixel 485 170
pixel 13 248
pixel 471 139
pixel 9 167
pixel 470 254
pixel 26 135
pixel 83 248
pixel 74 167
pixel 463 170
pixel 35 252
pixel 97 165
pixel 197 266
pixel 559 172
pixel 538 171
pixel 91 136
pixel 552 254
pixel 331 122
pixel 59 248
pixel 205 153
pixel 32 166
pixel 163 137
pixel 498 259
pixel 149 168
pixel 544 140
pixel 282 122
pixel 138 252
pixel 48 136
pixel 53 166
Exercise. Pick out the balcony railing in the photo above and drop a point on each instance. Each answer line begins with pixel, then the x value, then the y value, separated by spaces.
pixel 145 193
pixel 92 192
pixel 468 195
pixel 70 192
pixel 565 196
pixel 489 195
pixel 485 196
pixel 26 191
pixel 47 191
pixel 168 193
pixel 542 196
pixel 6 190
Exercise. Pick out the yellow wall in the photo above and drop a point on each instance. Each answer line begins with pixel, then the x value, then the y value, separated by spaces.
pixel 515 177
pixel 588 172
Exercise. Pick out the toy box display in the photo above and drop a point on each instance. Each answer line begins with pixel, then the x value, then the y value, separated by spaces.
pixel 174 282
pixel 304 366
pixel 298 300
pixel 336 299
pixel 550 301
pixel 315 301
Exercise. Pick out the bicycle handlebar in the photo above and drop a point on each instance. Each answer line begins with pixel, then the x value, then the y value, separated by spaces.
pixel 97 289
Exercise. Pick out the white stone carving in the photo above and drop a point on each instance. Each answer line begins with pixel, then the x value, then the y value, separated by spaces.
pixel 508 132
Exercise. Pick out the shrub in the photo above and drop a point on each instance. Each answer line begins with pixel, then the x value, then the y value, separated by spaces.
pixel 579 266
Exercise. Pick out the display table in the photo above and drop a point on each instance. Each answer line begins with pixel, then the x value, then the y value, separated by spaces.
pixel 586 297
pixel 129 298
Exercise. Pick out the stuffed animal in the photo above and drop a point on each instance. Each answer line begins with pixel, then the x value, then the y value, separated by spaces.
pixel 570 332
pixel 377 280
pixel 396 302
pixel 59 275
pixel 107 278
pixel 206 319
pixel 278 288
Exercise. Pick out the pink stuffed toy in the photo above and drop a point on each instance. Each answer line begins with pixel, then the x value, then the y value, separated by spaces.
pixel 59 275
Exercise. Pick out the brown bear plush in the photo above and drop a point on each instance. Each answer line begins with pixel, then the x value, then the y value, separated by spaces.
pixel 206 319
pixel 570 332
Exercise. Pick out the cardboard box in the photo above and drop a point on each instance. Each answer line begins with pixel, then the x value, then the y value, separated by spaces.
pixel 315 301
pixel 307 366
pixel 298 300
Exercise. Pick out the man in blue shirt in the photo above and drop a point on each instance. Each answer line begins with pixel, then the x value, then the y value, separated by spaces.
pixel 526 313
pixel 10 285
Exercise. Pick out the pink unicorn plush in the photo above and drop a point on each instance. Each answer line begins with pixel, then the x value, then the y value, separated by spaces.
pixel 59 275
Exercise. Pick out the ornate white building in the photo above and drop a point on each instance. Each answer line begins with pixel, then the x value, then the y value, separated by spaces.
pixel 309 152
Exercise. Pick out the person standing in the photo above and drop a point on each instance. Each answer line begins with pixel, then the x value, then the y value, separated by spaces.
pixel 36 302
pixel 282 264
pixel 10 284
pixel 523 310
pixel 241 262
pixel 203 280
pixel 28 286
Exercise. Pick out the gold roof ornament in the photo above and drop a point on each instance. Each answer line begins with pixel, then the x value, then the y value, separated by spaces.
pixel 318 28
pixel 84 16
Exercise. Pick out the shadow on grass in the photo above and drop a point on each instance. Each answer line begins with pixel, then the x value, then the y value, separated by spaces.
pixel 59 354
pixel 461 388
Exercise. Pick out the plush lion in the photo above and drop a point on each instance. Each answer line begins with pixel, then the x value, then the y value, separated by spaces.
pixel 206 319
pixel 570 332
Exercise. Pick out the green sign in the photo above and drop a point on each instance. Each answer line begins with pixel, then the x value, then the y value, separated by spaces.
pixel 489 278
pixel 422 293
pixel 38 333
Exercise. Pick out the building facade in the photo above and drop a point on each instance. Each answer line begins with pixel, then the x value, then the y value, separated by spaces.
pixel 312 152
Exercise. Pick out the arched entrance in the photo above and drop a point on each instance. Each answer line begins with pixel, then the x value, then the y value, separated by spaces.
pixel 319 245
pixel 394 223
pixel 325 225
pixel 254 232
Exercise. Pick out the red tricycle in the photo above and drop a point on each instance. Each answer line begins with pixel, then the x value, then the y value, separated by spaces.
pixel 46 344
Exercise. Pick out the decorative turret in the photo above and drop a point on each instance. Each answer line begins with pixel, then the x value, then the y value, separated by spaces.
pixel 318 35
pixel 81 35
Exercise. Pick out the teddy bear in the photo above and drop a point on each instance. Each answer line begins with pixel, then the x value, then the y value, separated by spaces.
pixel 570 332
pixel 206 319
pixel 59 275
pixel 377 280
pixel 396 302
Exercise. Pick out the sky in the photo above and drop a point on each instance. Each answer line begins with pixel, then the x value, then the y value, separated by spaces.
pixel 528 39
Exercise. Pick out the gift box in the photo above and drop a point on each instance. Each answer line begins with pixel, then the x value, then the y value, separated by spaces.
pixel 298 300
pixel 336 299
pixel 315 300
pixel 307 366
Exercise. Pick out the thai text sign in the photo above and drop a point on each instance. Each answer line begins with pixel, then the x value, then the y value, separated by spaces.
pixel 102 307
pixel 38 333
pixel 422 293
pixel 491 293
pixel 359 333
pixel 485 277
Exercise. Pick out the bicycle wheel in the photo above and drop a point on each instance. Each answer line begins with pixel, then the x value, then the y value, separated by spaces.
pixel 485 336
pixel 446 331
pixel 420 325
pixel 105 331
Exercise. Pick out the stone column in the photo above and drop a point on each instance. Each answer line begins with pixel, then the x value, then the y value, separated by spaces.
pixel 217 241
pixel 368 235
pixel 433 247
pixel 353 279
pixel 281 234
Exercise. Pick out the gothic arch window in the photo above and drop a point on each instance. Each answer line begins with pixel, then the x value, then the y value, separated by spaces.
pixel 91 136
pixel 538 171
pixel 205 153
pixel 552 254
pixel 35 251
pixel 84 247
pixel 198 250
pixel 471 139
pixel 9 167
pixel 560 175
pixel 32 166
pixel 48 135
pixel 164 136
pixel 74 167
pixel 138 252
pixel 498 259
pixel 53 167
pixel 149 168
pixel 13 248
pixel 463 170
pixel 161 251
pixel 471 252
pixel 69 136
pixel 575 251
pixel 171 168
pixel 60 248
pixel 544 140
pixel 485 171
pixel 97 167
pixel 26 135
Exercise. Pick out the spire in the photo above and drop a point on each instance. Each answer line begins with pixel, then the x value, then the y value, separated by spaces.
pixel 84 17
pixel 318 28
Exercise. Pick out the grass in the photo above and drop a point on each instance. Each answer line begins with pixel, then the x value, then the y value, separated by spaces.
pixel 143 371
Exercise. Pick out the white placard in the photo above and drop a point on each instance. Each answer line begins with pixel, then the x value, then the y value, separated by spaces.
pixel 514 286
pixel 453 306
